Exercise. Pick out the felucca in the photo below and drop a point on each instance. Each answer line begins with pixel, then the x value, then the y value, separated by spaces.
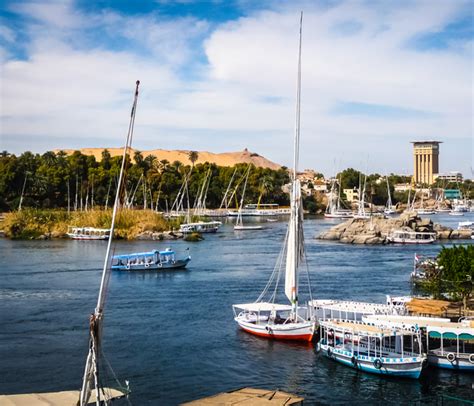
pixel 266 318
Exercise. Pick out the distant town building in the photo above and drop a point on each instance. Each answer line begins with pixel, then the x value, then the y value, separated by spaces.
pixel 452 176
pixel 452 194
pixel 402 187
pixel 426 161
pixel 352 195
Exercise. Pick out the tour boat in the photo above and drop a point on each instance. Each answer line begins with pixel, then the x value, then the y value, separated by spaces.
pixel 268 319
pixel 239 225
pixel 88 233
pixel 448 345
pixel 451 345
pixel 411 237
pixel 425 212
pixel 149 261
pixel 200 227
pixel 260 210
pixel 369 348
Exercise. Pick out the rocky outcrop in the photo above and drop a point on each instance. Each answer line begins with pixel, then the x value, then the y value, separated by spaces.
pixel 376 229
pixel 165 235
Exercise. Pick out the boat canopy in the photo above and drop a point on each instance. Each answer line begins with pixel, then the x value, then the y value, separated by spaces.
pixel 262 307
pixel 391 320
pixel 463 330
pixel 362 328
pixel 351 307
pixel 144 254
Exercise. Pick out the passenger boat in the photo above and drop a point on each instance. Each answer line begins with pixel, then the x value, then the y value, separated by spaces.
pixel 149 261
pixel 451 345
pixel 264 317
pixel 260 210
pixel 88 233
pixel 393 352
pixel 200 227
pixel 448 345
pixel 411 237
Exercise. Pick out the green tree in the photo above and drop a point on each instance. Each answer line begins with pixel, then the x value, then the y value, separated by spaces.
pixel 193 156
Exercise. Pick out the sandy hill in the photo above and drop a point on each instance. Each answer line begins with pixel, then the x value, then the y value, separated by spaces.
pixel 221 159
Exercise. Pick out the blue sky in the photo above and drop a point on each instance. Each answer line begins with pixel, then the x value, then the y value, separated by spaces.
pixel 220 76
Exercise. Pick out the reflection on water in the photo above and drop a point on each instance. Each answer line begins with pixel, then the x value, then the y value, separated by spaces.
pixel 172 334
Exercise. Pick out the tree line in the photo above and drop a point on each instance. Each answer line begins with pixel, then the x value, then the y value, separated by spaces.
pixel 80 182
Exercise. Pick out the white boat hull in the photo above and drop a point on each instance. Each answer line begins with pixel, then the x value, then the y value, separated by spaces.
pixel 243 228
pixel 461 363
pixel 301 331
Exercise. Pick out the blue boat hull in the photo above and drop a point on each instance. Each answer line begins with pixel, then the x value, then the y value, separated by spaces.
pixel 179 264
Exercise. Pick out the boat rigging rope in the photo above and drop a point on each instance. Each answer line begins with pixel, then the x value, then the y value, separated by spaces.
pixel 113 374
pixel 275 272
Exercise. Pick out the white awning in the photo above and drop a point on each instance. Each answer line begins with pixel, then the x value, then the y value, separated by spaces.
pixel 262 307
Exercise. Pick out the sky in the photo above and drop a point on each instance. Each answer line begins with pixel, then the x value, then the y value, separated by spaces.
pixel 221 76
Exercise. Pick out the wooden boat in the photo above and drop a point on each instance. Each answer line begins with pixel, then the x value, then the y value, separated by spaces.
pixel 268 319
pixel 149 261
pixel 411 237
pixel 88 233
pixel 333 209
pixel 260 210
pixel 383 351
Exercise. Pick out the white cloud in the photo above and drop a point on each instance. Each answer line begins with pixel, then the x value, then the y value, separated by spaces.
pixel 245 94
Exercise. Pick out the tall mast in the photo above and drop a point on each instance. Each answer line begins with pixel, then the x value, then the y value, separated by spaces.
pixel 91 373
pixel 294 250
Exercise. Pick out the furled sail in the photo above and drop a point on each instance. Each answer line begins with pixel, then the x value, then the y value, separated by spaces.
pixel 294 252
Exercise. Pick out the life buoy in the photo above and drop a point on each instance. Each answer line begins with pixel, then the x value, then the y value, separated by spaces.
pixel 147 264
pixel 160 265
pixel 377 363
pixel 128 266
pixel 471 358
pixel 450 357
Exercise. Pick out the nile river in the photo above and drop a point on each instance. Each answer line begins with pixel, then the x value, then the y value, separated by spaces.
pixel 172 334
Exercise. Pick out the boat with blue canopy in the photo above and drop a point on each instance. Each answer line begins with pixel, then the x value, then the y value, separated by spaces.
pixel 149 261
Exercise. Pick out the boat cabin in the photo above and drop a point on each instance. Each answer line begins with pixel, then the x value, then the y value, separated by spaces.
pixel 411 237
pixel 88 233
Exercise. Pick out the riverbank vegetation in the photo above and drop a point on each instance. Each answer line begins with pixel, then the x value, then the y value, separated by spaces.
pixel 451 275
pixel 33 223
pixel 79 182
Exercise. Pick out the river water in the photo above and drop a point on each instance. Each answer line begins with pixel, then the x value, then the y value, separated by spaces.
pixel 172 334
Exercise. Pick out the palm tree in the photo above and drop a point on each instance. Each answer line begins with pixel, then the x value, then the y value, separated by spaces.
pixel 193 156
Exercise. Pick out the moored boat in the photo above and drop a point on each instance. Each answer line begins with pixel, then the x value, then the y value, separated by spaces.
pixel 200 227
pixel 411 237
pixel 149 261
pixel 88 233
pixel 392 352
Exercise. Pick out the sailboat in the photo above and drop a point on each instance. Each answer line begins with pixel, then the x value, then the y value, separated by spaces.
pixel 389 208
pixel 333 209
pixel 239 226
pixel 289 321
pixel 92 380
pixel 361 213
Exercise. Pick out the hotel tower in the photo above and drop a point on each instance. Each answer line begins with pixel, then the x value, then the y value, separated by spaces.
pixel 426 161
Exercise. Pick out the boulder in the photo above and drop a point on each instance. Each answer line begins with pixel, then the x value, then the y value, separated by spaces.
pixel 460 234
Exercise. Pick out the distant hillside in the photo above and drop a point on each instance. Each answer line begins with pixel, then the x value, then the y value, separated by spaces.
pixel 221 159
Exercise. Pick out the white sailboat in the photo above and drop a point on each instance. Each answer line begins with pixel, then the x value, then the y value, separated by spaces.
pixel 333 209
pixel 361 213
pixel 92 380
pixel 239 225
pixel 268 319
pixel 389 208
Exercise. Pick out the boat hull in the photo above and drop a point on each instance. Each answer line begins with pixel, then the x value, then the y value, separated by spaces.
pixel 243 228
pixel 389 366
pixel 290 331
pixel 88 237
pixel 179 264
pixel 459 364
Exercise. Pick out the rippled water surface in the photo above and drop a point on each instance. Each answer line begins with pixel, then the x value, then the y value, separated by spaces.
pixel 172 334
